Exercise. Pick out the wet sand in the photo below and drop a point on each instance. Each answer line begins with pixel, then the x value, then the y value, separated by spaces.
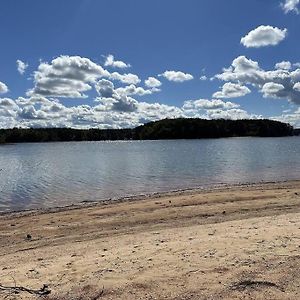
pixel 238 242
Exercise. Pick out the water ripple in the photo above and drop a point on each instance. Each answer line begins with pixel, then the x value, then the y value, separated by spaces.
pixel 56 174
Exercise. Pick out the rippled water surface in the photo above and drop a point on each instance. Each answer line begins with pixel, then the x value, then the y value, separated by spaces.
pixel 57 174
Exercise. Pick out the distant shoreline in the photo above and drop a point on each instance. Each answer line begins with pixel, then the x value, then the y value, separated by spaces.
pixel 182 128
pixel 148 140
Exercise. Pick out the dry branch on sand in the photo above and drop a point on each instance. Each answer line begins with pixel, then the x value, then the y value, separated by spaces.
pixel 242 285
pixel 19 289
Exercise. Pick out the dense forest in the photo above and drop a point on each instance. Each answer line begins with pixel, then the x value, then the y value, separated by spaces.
pixel 165 129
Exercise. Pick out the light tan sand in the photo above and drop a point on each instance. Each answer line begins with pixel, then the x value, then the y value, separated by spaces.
pixel 184 245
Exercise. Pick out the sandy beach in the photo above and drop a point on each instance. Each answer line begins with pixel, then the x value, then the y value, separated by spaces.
pixel 239 242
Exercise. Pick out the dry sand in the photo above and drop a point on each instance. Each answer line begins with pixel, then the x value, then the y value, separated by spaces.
pixel 228 243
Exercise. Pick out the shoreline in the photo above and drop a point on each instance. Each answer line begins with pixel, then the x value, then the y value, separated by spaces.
pixel 143 196
pixel 151 140
pixel 232 242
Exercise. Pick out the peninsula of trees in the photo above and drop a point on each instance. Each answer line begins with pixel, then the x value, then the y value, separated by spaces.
pixel 181 128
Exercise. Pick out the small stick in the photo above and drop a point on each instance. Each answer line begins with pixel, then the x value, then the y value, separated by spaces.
pixel 17 289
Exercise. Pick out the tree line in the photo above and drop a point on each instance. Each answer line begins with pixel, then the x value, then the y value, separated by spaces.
pixel 181 128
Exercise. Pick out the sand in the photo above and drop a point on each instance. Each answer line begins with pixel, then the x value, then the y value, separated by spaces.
pixel 239 242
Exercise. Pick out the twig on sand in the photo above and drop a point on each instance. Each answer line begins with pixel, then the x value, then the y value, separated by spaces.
pixel 18 289
pixel 243 285
pixel 99 295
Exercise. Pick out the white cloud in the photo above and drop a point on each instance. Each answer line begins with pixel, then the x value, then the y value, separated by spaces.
pixel 289 116
pixel 118 99
pixel 6 102
pixel 264 36
pixel 115 106
pixel 232 90
pixel 111 62
pixel 177 76
pixel 272 89
pixel 152 82
pixel 203 78
pixel 245 71
pixel 231 114
pixel 205 104
pixel 243 65
pixel 72 76
pixel 125 78
pixel 21 101
pixel 134 90
pixel 21 66
pixel 112 99
pixel 123 105
pixel 105 88
pixel 284 65
pixel 297 86
pixel 290 6
pixel 66 76
pixel 3 88
pixel 215 109
pixel 8 112
pixel 148 112
pixel 111 112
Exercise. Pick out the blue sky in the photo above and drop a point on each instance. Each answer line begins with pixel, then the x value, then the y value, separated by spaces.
pixel 52 40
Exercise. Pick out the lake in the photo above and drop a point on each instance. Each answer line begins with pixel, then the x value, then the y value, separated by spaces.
pixel 57 174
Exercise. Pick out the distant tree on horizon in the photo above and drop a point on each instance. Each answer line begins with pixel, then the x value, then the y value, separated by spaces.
pixel 181 128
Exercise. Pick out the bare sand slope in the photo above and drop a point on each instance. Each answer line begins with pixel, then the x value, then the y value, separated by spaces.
pixel 230 243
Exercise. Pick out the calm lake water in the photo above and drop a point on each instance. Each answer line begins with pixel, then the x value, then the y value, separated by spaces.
pixel 58 174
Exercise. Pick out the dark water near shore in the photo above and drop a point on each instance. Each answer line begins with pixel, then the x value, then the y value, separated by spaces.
pixel 58 174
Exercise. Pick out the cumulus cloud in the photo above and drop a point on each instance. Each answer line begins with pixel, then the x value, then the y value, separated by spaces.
pixel 72 76
pixel 118 99
pixel 8 112
pixel 124 104
pixel 125 78
pixel 297 86
pixel 241 65
pixel 215 109
pixel 105 88
pixel 177 76
pixel 109 112
pixel 66 76
pixel 232 90
pixel 290 6
pixel 152 82
pixel 280 83
pixel 203 77
pixel 208 104
pixel 31 113
pixel 272 89
pixel 115 106
pixel 289 116
pixel 112 99
pixel 6 102
pixel 232 114
pixel 264 36
pixel 284 65
pixel 3 88
pixel 111 62
pixel 41 108
pixel 21 66
pixel 134 90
